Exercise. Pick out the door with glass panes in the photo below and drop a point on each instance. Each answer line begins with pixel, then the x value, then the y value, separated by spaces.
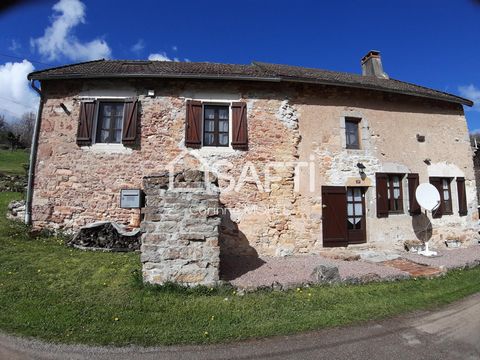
pixel 343 216
pixel 356 229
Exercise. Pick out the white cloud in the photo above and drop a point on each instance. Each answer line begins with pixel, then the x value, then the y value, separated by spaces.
pixel 16 97
pixel 138 46
pixel 58 40
pixel 471 92
pixel 14 45
pixel 175 48
pixel 162 56
pixel 159 57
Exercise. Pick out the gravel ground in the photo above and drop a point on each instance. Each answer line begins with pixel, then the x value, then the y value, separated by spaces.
pixel 449 258
pixel 249 273
pixel 287 272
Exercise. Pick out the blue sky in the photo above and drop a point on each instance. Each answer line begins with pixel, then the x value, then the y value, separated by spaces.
pixel 431 43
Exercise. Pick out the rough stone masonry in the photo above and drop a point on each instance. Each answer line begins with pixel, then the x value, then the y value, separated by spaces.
pixel 181 229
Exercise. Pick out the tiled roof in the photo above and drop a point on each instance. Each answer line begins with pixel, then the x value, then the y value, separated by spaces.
pixel 257 71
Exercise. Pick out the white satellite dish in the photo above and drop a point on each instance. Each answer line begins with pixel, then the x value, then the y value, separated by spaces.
pixel 428 197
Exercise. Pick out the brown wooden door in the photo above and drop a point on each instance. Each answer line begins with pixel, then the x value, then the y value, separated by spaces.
pixel 334 216
pixel 356 227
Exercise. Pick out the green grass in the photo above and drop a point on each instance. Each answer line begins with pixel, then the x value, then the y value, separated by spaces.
pixel 11 162
pixel 59 294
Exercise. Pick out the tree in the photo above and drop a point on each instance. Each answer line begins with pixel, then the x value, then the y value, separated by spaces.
pixel 13 140
pixel 475 139
pixel 23 129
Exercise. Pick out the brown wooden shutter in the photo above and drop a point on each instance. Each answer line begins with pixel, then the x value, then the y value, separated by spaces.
pixel 85 123
pixel 239 126
pixel 382 195
pixel 437 182
pixel 334 216
pixel 413 182
pixel 462 198
pixel 193 124
pixel 130 122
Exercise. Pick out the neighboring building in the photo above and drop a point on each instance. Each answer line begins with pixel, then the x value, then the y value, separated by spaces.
pixel 365 143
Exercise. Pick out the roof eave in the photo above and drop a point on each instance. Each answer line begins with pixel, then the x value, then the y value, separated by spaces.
pixel 161 76
pixel 453 99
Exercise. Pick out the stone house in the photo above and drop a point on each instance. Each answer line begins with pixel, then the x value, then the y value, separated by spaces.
pixel 305 158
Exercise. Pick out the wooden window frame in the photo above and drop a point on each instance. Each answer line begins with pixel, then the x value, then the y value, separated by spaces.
pixel 353 202
pixel 216 132
pixel 449 201
pixel 112 129
pixel 356 121
pixel 441 210
pixel 391 191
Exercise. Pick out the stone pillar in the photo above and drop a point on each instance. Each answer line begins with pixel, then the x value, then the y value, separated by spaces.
pixel 181 230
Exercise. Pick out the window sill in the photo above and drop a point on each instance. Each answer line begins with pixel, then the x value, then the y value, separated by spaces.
pixel 212 150
pixel 105 148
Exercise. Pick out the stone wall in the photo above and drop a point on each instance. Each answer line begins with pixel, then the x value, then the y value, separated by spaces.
pixel 181 230
pixel 76 185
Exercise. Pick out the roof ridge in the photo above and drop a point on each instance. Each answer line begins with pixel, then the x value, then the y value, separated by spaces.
pixel 64 66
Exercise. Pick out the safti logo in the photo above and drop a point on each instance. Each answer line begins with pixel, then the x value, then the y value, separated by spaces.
pixel 231 178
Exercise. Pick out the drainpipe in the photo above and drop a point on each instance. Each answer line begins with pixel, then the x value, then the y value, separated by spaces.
pixel 33 156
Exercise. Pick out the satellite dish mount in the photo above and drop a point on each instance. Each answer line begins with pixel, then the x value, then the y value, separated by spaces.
pixel 428 197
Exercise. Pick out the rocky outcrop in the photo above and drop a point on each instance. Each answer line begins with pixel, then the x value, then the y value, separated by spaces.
pixel 325 274
pixel 16 210
pixel 15 183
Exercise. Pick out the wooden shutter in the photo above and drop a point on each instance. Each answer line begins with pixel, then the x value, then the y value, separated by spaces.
pixel 239 126
pixel 85 123
pixel 462 198
pixel 413 182
pixel 130 122
pixel 193 124
pixel 382 195
pixel 437 182
pixel 334 216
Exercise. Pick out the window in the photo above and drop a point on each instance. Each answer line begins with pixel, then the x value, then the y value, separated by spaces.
pixel 395 193
pixel 354 208
pixel 109 122
pixel 446 197
pixel 215 125
pixel 352 133
pixel 443 187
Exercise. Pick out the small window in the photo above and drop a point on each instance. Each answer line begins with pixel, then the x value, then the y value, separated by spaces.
pixel 110 122
pixel 215 125
pixel 446 196
pixel 352 133
pixel 395 193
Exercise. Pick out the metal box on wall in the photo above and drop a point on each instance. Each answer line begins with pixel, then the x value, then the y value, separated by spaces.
pixel 131 198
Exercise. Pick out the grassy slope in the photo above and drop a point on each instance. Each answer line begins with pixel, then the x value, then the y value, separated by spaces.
pixel 64 295
pixel 11 161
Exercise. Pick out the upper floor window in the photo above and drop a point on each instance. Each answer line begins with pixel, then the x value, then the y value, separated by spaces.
pixel 215 125
pixel 352 133
pixel 110 122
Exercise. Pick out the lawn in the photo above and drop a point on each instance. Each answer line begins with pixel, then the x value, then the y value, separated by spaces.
pixel 12 162
pixel 60 294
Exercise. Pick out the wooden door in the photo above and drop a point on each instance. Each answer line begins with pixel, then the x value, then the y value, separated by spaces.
pixel 356 220
pixel 334 216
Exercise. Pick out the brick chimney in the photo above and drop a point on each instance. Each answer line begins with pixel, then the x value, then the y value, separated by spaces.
pixel 372 65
